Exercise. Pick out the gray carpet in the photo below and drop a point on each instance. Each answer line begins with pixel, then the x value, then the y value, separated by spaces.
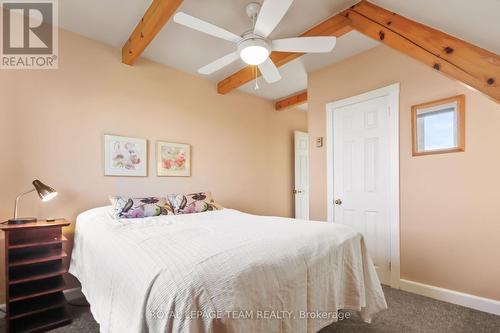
pixel 410 313
pixel 407 313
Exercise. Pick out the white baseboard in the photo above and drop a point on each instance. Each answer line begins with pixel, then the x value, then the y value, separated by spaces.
pixel 70 294
pixel 451 296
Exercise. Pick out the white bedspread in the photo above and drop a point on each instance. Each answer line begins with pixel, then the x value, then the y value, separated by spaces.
pixel 221 271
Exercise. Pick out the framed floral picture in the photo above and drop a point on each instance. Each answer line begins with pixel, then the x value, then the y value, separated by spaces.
pixel 125 156
pixel 173 159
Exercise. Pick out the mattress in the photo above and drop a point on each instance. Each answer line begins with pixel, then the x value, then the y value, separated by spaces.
pixel 221 271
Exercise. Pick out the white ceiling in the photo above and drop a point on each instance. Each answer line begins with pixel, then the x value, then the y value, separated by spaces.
pixel 112 21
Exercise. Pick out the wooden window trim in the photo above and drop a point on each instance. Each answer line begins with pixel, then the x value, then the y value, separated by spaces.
pixel 460 100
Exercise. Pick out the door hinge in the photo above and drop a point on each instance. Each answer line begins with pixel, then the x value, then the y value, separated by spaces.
pixel 390 266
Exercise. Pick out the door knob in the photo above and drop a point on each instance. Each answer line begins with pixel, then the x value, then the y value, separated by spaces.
pixel 338 202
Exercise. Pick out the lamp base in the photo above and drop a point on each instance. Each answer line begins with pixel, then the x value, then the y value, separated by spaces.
pixel 22 220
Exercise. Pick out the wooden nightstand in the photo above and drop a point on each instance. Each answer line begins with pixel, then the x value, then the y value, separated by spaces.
pixel 34 272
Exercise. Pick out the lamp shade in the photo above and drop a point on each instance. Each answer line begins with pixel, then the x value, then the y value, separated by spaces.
pixel 45 192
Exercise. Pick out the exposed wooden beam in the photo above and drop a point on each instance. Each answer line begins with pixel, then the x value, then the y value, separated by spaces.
pixel 158 13
pixel 336 25
pixel 291 101
pixel 456 58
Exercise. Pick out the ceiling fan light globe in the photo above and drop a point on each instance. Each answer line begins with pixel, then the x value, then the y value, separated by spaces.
pixel 254 55
pixel 254 51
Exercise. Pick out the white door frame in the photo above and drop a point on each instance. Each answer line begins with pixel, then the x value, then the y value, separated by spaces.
pixel 392 93
pixel 295 133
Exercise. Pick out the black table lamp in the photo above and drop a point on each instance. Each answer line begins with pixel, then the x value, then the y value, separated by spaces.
pixel 45 193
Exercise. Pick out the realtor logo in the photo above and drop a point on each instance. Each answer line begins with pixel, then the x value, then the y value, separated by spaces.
pixel 29 34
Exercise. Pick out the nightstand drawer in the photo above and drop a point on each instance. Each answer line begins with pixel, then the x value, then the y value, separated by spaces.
pixel 34 236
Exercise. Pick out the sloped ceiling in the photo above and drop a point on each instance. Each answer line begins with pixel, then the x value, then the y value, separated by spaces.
pixel 112 21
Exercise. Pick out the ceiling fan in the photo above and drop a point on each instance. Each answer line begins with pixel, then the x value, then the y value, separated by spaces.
pixel 253 47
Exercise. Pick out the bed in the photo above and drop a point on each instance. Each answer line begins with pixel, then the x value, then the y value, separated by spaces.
pixel 221 271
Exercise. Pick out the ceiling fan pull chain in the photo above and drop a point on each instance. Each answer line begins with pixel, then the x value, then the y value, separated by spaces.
pixel 256 79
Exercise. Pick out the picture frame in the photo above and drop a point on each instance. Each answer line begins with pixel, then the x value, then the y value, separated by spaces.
pixel 173 159
pixel 438 127
pixel 125 156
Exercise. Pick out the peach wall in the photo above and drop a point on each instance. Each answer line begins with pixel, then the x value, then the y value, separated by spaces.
pixel 450 203
pixel 242 150
pixel 7 139
pixel 8 175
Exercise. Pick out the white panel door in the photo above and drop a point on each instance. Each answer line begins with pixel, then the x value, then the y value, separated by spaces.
pixel 361 175
pixel 301 191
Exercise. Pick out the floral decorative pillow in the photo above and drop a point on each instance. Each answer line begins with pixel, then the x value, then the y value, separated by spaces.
pixel 127 208
pixel 192 203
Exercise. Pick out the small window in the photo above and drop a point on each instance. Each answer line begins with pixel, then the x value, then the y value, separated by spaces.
pixel 439 126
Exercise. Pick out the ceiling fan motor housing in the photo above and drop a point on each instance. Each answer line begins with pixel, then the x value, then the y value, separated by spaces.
pixel 252 10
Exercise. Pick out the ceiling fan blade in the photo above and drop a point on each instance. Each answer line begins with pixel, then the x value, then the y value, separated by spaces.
pixel 304 44
pixel 214 66
pixel 205 27
pixel 269 71
pixel 270 15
